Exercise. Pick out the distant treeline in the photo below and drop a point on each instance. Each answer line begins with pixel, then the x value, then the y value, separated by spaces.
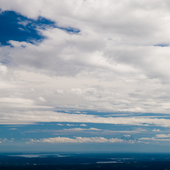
pixel 112 166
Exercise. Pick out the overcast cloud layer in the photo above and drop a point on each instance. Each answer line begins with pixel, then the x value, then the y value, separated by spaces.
pixel 116 58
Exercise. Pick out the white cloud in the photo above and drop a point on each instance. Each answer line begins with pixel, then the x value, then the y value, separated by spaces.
pixel 83 125
pixel 8 103
pixel 112 64
pixel 70 125
pixel 59 124
pixel 156 130
pixel 3 69
pixel 23 117
pixel 155 139
pixel 2 140
pixel 80 129
pixel 122 22
pixel 163 135
pixel 133 95
pixel 17 102
pixel 41 99
pixel 78 140
pixel 158 138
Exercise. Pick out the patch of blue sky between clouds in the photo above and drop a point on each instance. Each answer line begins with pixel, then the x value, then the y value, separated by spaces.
pixel 53 129
pixel 20 135
pixel 162 45
pixel 117 114
pixel 70 29
pixel 20 28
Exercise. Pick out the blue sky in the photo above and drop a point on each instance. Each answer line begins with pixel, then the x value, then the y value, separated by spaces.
pixel 84 76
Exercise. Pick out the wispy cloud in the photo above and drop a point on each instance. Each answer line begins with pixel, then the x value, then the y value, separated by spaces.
pixel 81 140
pixel 154 139
pixel 156 130
pixel 163 135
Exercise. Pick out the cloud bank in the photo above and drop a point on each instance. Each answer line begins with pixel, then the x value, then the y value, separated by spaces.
pixel 107 56
pixel 28 117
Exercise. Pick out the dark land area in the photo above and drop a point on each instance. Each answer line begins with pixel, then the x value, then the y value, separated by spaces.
pixel 110 166
pixel 83 161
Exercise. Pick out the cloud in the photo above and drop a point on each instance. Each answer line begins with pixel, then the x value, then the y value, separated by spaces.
pixel 22 117
pixel 129 139
pixel 83 125
pixel 90 131
pixel 59 124
pixel 156 130
pixel 70 125
pixel 163 136
pixel 2 140
pixel 136 25
pixel 125 94
pixel 78 140
pixel 155 139
pixel 41 99
pixel 17 102
pixel 13 128
pixel 124 139
pixel 158 137
pixel 80 129
pixel 112 64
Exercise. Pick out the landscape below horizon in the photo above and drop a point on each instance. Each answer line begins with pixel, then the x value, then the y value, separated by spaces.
pixel 84 161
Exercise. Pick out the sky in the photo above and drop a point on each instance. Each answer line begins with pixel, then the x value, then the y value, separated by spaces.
pixel 84 76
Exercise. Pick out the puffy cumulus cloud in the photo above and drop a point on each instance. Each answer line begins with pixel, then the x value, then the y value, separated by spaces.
pixel 78 140
pixel 2 140
pixel 117 62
